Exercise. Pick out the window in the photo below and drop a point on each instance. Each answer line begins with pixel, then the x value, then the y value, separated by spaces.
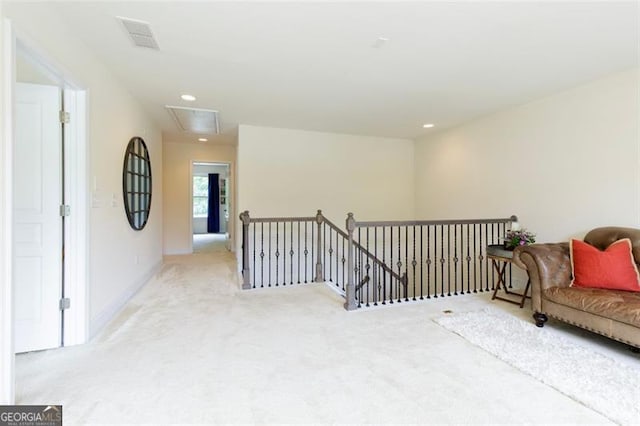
pixel 200 196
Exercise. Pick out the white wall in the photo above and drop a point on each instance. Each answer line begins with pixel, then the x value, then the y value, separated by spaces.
pixel 564 164
pixel 178 159
pixel 28 72
pixel 285 172
pixel 120 259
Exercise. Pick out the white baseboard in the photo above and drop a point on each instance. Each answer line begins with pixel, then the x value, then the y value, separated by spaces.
pixel 111 311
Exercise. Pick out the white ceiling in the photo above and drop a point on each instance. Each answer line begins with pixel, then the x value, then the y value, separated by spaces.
pixel 312 65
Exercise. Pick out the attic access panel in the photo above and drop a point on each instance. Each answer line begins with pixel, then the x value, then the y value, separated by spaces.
pixel 196 120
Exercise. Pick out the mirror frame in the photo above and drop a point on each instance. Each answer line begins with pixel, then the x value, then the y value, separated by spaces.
pixel 137 183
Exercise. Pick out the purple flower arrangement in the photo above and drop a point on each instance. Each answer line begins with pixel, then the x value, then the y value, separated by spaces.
pixel 520 237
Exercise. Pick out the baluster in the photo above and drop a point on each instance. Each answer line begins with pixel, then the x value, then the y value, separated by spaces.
pixel 468 258
pixel 428 261
pixel 414 263
pixel 448 260
pixel 262 254
pixel 319 253
pixel 391 279
pixel 436 292
pixel 343 260
pixel 472 254
pixel 480 258
pixel 291 253
pixel 406 263
pixel 461 258
pixel 399 264
pixel 434 260
pixel 486 260
pixel 442 261
pixel 421 263
pixel 324 252
pixel 306 250
pixel 376 269
pixel 299 275
pixel 455 259
pixel 337 259
pixel 384 261
pixel 277 253
pixel 475 263
pixel 330 254
pixel 359 269
pixel 284 253
pixel 254 256
pixel 489 267
pixel 367 270
pixel 363 271
pixel 493 271
pixel 270 258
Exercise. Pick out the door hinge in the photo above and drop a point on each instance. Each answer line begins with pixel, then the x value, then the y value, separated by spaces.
pixel 65 303
pixel 65 117
pixel 65 210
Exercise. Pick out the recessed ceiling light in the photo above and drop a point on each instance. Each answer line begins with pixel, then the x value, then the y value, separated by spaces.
pixel 428 126
pixel 188 98
pixel 203 139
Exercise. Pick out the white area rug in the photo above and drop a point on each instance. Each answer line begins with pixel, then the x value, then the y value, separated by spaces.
pixel 595 380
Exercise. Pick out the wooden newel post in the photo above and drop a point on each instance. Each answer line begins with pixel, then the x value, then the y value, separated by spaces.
pixel 246 273
pixel 319 219
pixel 350 304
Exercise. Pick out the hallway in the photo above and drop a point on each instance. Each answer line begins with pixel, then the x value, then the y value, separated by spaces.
pixel 209 243
pixel 192 348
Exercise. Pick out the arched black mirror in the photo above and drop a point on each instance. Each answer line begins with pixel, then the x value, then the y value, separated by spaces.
pixel 136 183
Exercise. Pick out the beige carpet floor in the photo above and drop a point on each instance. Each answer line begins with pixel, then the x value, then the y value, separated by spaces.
pixel 209 243
pixel 191 348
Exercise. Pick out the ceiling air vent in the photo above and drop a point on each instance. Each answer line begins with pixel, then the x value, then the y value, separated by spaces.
pixel 196 120
pixel 139 32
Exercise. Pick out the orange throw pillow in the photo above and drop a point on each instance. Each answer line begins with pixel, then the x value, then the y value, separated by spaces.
pixel 613 269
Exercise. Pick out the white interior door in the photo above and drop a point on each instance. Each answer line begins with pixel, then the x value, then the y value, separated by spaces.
pixel 37 240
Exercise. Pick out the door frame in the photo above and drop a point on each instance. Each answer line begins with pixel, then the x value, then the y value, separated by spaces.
pixel 230 229
pixel 76 238
pixel 7 357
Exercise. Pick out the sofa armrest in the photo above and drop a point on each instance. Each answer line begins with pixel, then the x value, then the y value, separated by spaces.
pixel 548 265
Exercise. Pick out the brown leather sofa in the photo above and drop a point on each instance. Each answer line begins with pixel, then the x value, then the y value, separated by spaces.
pixel 612 313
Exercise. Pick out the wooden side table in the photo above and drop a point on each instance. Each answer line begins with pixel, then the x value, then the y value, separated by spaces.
pixel 500 258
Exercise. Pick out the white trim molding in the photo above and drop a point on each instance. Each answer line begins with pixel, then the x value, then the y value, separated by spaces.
pixel 76 328
pixel 7 357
